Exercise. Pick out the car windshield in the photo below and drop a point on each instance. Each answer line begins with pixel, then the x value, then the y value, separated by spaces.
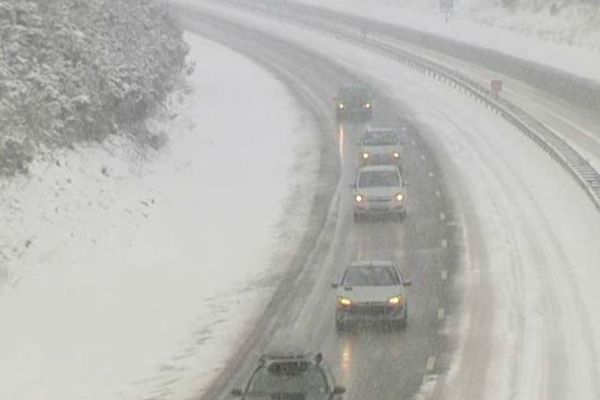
pixel 380 138
pixel 378 179
pixel 371 276
pixel 354 94
pixel 288 377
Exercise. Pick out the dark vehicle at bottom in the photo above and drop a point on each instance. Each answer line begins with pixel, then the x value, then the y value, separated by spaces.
pixel 291 377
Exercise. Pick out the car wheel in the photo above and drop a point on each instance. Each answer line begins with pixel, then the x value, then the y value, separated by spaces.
pixel 404 322
pixel 401 216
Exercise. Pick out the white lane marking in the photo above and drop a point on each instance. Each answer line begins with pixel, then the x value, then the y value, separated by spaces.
pixel 442 216
pixel 441 313
pixel 438 194
pixel 431 174
pixel 444 274
pixel 444 243
pixel 430 364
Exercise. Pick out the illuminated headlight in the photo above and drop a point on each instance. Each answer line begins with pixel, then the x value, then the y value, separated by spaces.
pixel 367 105
pixel 359 198
pixel 341 106
pixel 396 300
pixel 344 301
pixel 396 154
pixel 365 156
pixel 399 197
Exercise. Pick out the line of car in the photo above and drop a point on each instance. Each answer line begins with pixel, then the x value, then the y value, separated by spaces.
pixel 368 291
pixel 373 290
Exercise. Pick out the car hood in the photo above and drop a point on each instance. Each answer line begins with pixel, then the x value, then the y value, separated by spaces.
pixel 380 149
pixel 370 293
pixel 380 191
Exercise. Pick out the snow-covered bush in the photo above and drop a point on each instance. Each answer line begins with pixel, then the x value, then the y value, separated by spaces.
pixel 78 70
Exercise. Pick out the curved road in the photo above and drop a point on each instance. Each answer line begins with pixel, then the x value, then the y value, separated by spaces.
pixel 506 213
pixel 423 244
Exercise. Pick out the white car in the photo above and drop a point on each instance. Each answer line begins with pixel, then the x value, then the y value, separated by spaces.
pixel 380 146
pixel 371 291
pixel 379 190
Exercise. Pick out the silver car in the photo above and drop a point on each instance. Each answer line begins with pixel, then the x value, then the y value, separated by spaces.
pixel 371 291
pixel 379 190
pixel 380 146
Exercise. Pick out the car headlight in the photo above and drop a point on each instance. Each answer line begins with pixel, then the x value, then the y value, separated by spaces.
pixel 344 301
pixel 396 154
pixel 399 197
pixel 359 198
pixel 341 106
pixel 365 156
pixel 396 300
pixel 367 105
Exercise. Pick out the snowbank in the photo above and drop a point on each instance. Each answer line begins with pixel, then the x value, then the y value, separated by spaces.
pixel 568 40
pixel 126 276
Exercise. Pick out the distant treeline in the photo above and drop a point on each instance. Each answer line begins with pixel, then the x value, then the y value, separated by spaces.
pixel 79 70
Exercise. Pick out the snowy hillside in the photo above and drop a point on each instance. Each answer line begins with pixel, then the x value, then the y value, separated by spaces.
pixel 136 278
pixel 74 71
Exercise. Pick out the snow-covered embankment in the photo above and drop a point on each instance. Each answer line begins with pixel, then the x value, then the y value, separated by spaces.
pixel 129 276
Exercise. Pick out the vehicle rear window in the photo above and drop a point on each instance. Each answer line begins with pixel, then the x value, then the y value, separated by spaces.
pixel 286 377
pixel 371 276
pixel 380 138
pixel 378 179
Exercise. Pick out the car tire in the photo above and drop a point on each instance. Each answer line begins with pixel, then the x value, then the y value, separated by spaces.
pixel 400 216
pixel 340 326
pixel 404 322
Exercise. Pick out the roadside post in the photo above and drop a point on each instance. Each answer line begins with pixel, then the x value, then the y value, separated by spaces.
pixel 446 8
pixel 496 88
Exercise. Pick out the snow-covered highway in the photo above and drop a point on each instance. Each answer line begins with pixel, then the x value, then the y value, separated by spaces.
pixel 524 327
pixel 161 262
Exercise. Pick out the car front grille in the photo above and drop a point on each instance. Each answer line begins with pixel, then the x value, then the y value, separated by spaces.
pixel 370 308
pixel 288 396
pixel 380 199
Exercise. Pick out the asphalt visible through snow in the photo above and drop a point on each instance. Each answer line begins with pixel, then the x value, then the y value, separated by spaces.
pixel 371 362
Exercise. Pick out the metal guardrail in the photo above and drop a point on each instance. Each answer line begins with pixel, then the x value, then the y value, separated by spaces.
pixel 557 148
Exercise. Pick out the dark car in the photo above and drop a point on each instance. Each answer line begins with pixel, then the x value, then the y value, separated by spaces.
pixel 291 376
pixel 354 102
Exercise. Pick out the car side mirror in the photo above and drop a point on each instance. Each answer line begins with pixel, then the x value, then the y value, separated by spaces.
pixel 407 282
pixel 335 285
pixel 236 392
pixel 339 390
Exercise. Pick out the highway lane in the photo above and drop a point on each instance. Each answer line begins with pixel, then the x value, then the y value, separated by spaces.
pixel 565 103
pixel 372 362
pixel 523 226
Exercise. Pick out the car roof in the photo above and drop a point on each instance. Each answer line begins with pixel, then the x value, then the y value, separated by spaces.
pixel 380 130
pixel 382 168
pixel 355 90
pixel 371 263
